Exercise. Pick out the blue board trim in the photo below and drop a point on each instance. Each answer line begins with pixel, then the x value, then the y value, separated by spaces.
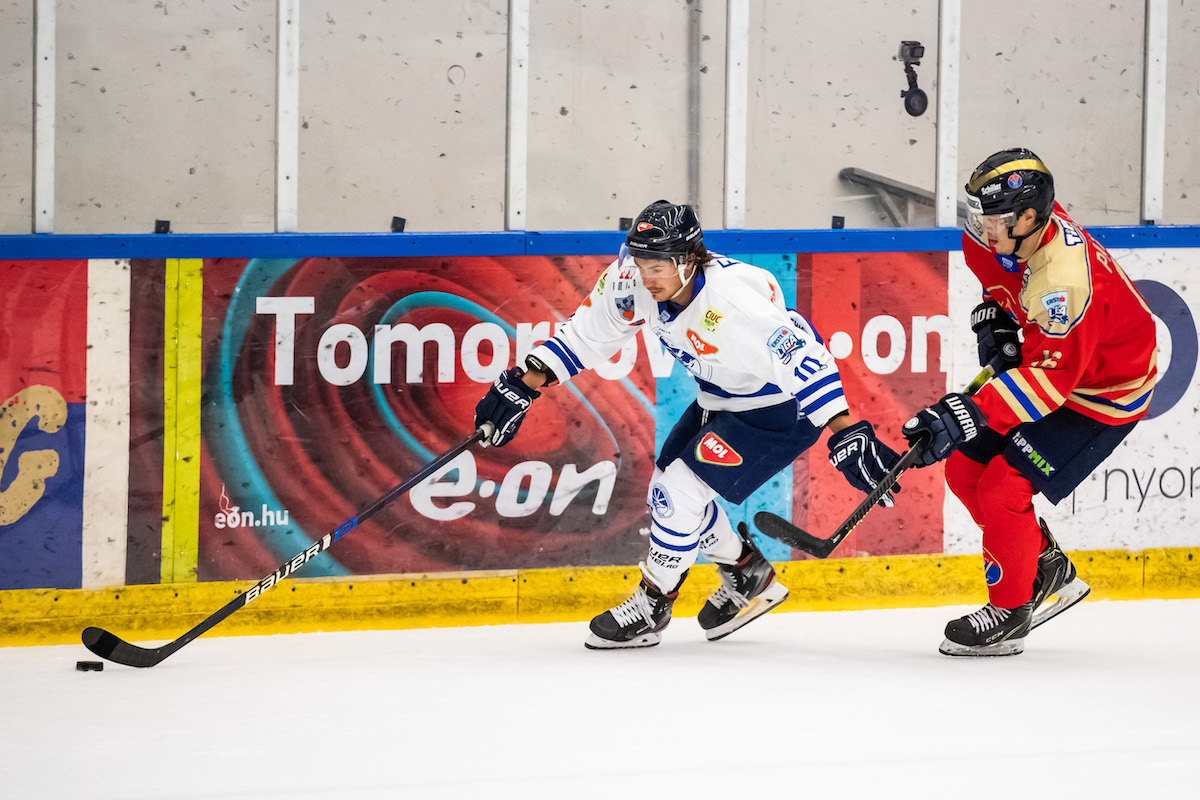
pixel 517 243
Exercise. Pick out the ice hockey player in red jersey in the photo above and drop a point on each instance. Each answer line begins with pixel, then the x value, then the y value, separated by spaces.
pixel 766 390
pixel 1076 349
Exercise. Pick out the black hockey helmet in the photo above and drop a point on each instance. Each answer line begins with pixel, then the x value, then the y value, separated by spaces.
pixel 665 230
pixel 1011 180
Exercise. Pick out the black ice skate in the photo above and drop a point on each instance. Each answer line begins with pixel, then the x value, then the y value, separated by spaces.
pixel 1057 587
pixel 638 622
pixel 990 631
pixel 748 590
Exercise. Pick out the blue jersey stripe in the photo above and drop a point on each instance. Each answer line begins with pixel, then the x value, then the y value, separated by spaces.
pixel 713 389
pixel 812 388
pixel 1134 406
pixel 823 400
pixel 573 364
pixel 1020 396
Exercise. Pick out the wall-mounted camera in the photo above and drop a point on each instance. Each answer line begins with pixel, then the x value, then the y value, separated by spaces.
pixel 915 100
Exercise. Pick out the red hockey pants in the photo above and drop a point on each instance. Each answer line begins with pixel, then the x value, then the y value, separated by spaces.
pixel 1000 500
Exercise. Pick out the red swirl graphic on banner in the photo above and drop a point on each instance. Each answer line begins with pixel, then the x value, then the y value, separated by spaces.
pixel 320 451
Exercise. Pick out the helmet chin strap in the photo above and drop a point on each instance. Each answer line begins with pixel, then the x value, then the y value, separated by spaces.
pixel 684 281
pixel 1020 240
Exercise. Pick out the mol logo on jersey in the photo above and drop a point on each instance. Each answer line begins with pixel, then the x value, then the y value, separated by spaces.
pixel 712 449
pixel 701 347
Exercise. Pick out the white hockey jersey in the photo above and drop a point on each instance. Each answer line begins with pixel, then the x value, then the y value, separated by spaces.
pixel 736 337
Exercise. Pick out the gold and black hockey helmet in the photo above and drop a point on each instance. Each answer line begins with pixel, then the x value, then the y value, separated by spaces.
pixel 664 230
pixel 1011 181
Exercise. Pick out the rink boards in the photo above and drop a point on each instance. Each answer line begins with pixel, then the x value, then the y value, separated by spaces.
pixel 178 427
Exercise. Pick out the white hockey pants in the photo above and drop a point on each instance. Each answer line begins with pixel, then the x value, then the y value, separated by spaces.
pixel 685 519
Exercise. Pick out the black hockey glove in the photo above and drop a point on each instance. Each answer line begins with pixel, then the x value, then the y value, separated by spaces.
pixel 996 333
pixel 505 405
pixel 862 459
pixel 943 426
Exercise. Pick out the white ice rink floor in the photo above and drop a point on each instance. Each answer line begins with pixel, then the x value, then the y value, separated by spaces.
pixel 1104 703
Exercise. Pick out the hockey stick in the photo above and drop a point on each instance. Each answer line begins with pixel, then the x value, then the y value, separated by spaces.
pixel 781 530
pixel 112 647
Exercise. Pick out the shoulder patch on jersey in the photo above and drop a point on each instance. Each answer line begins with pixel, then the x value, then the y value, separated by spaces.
pixel 600 282
pixel 784 343
pixel 625 306
pixel 1056 306
pixel 712 318
pixel 701 347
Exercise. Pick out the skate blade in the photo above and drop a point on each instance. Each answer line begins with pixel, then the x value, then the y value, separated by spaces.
pixel 1063 599
pixel 770 597
pixel 1011 647
pixel 594 642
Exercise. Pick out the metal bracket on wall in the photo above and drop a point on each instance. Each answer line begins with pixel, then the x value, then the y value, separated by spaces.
pixel 891 192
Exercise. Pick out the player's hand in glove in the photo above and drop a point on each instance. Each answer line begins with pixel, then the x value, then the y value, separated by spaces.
pixel 997 335
pixel 505 405
pixel 943 426
pixel 862 459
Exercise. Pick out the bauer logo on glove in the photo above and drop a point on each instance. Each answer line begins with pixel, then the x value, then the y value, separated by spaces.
pixel 505 405
pixel 861 458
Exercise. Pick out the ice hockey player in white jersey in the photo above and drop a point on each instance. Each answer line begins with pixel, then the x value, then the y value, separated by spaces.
pixel 767 387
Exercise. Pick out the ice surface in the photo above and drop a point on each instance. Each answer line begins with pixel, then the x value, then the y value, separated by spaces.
pixel 1105 702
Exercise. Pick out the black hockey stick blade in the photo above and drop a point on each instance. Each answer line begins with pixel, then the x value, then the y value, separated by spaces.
pixel 113 648
pixel 781 530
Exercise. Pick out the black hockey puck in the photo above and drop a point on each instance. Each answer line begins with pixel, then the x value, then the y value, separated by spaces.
pixel 89 666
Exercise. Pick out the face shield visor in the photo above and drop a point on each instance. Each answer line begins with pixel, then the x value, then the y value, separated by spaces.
pixel 655 268
pixel 988 226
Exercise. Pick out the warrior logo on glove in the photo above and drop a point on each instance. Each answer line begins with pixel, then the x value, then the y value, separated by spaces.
pixel 943 426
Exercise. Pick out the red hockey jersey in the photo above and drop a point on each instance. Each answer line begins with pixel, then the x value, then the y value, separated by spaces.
pixel 1089 340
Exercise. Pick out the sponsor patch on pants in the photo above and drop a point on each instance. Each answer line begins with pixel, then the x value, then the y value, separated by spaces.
pixel 712 449
pixel 992 571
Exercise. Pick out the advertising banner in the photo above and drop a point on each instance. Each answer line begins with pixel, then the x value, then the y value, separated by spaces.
pixel 883 316
pixel 1143 495
pixel 43 356
pixel 327 381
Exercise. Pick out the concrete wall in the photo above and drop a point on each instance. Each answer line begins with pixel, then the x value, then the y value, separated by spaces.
pixel 165 109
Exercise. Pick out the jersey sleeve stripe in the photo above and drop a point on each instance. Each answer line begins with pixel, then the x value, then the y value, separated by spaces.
pixel 1047 387
pixel 1017 396
pixel 823 400
pixel 570 360
pixel 813 388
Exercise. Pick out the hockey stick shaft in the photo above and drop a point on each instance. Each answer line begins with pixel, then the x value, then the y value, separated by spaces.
pixel 112 647
pixel 781 530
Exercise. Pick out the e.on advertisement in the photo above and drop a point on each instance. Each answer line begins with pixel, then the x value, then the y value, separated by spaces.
pixel 328 381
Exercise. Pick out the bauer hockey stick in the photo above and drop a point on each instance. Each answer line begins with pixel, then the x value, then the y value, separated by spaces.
pixel 112 647
pixel 781 530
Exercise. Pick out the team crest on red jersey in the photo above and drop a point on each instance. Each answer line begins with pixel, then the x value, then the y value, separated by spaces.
pixel 712 449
